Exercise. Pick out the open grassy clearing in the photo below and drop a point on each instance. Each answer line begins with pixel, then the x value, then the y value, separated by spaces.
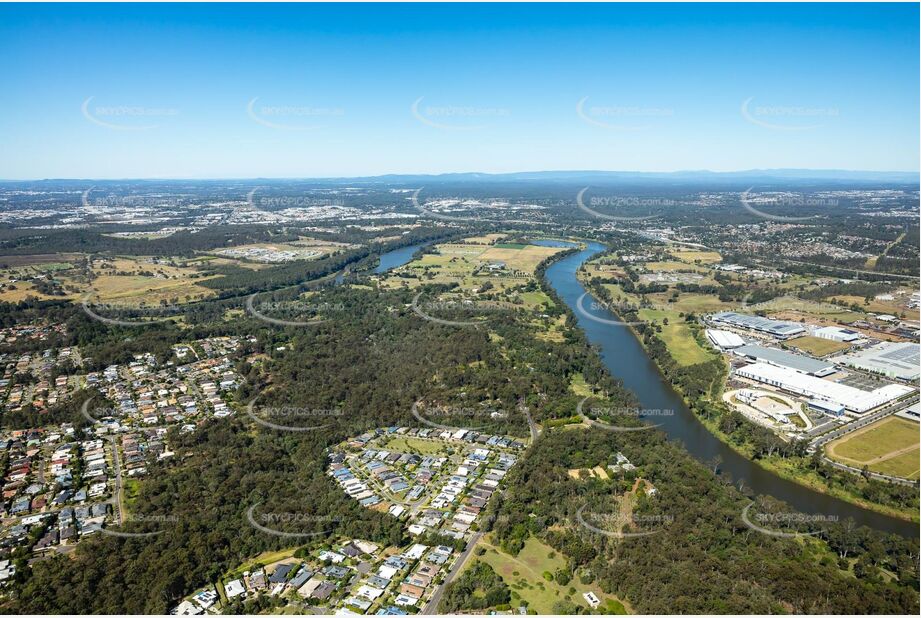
pixel 21 290
pixel 691 256
pixel 403 444
pixel 485 239
pixel 678 337
pixel 889 446
pixel 579 386
pixel 904 465
pixel 468 265
pixel 261 560
pixel 874 306
pixel 675 265
pixel 143 282
pixel 816 345
pixel 524 574
pixel 139 290
pixel 691 302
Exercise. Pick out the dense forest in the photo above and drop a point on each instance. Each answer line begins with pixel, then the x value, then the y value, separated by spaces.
pixel 702 558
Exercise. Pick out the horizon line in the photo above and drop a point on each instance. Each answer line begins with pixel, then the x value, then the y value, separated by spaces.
pixel 462 173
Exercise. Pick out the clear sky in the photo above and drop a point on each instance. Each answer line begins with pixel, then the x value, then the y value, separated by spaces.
pixel 183 91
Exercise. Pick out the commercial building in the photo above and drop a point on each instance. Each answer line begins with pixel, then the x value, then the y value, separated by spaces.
pixel 826 407
pixel 724 339
pixel 780 358
pixel 853 399
pixel 774 328
pixel 836 333
pixel 894 360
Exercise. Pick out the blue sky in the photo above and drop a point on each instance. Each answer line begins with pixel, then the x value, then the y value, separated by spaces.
pixel 184 91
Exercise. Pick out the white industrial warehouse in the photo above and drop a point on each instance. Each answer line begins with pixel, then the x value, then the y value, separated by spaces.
pixel 895 360
pixel 724 339
pixel 853 399
pixel 836 333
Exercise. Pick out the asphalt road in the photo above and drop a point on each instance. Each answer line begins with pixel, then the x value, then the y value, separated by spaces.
pixel 432 606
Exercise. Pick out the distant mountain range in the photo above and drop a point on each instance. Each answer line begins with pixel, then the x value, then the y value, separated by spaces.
pixel 761 177
pixel 692 176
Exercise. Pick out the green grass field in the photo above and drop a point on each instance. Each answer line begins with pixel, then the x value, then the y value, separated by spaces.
pixel 691 302
pixel 889 446
pixel 535 300
pixel 524 574
pixel 678 337
pixel 816 345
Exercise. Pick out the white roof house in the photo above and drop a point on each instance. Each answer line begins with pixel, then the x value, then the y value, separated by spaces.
pixel 234 588
pixel 415 552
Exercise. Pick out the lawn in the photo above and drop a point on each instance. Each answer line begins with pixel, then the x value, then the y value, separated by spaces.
pixel 678 337
pixel 889 446
pixel 817 346
pixel 524 574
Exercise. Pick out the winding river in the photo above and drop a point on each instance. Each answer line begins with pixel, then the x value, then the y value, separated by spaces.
pixel 626 359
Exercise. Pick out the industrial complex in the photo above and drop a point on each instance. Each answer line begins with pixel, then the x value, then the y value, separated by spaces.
pixel 799 395
pixel 894 360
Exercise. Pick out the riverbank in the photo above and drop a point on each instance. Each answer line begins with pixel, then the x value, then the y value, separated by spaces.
pixel 790 468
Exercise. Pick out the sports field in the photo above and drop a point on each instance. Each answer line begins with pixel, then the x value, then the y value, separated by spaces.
pixel 889 446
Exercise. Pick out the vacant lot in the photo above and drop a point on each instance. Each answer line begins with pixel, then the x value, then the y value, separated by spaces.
pixel 524 574
pixel 889 446
pixel 402 444
pixel 817 346
pixel 703 257
pixel 144 282
pixel 674 266
pixel 691 302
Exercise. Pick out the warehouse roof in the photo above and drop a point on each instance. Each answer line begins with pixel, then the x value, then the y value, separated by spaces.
pixel 816 388
pixel 898 360
pixel 797 362
pixel 755 322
